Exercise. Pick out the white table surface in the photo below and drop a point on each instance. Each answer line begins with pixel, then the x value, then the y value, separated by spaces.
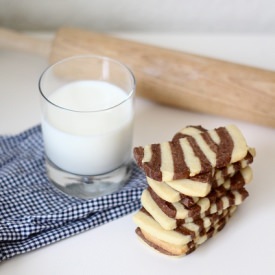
pixel 245 246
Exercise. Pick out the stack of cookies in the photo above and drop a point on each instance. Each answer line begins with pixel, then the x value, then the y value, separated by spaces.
pixel 195 183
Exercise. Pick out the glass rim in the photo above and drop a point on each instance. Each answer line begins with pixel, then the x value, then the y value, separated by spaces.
pixel 90 56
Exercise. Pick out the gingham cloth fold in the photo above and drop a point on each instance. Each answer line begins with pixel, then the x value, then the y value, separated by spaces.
pixel 34 214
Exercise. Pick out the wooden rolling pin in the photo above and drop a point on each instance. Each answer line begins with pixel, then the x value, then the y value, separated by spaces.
pixel 169 77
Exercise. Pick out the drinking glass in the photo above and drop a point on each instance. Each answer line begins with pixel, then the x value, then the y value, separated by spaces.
pixel 87 124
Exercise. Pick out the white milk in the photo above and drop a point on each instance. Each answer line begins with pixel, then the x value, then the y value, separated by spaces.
pixel 88 142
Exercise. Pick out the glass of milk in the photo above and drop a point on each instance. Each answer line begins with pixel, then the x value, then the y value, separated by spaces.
pixel 87 124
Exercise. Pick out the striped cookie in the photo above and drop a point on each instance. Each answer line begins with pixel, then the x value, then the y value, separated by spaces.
pixel 227 170
pixel 231 169
pixel 179 248
pixel 183 233
pixel 197 188
pixel 189 187
pixel 223 172
pixel 169 215
pixel 171 191
pixel 236 182
pixel 192 155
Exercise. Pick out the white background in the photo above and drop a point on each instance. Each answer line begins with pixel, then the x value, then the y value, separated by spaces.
pixel 238 16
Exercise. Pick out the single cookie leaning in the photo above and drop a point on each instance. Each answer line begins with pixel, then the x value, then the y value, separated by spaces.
pixel 192 155
pixel 176 191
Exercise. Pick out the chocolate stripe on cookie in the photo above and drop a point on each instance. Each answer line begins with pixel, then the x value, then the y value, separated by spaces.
pixel 225 149
pixel 155 211
pixel 235 197
pixel 150 154
pixel 164 191
pixel 167 207
pixel 149 224
pixel 188 131
pixel 180 167
pixel 202 144
pixel 139 155
pixel 203 152
pixel 237 181
pixel 198 226
pixel 187 201
pixel 212 139
pixel 229 170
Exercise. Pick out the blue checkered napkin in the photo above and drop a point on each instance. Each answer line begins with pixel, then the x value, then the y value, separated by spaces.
pixel 34 214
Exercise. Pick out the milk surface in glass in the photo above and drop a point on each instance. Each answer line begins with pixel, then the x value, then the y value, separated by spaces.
pixel 83 133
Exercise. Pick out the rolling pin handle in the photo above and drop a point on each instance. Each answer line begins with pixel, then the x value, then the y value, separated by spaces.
pixel 10 39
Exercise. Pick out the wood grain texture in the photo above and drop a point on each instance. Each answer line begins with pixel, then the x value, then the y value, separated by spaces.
pixel 182 80
pixel 171 77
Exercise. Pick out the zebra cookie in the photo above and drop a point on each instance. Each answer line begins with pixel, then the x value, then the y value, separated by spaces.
pixel 176 247
pixel 196 187
pixel 231 169
pixel 183 233
pixel 224 171
pixel 219 174
pixel 199 185
pixel 192 155
pixel 237 181
pixel 170 215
